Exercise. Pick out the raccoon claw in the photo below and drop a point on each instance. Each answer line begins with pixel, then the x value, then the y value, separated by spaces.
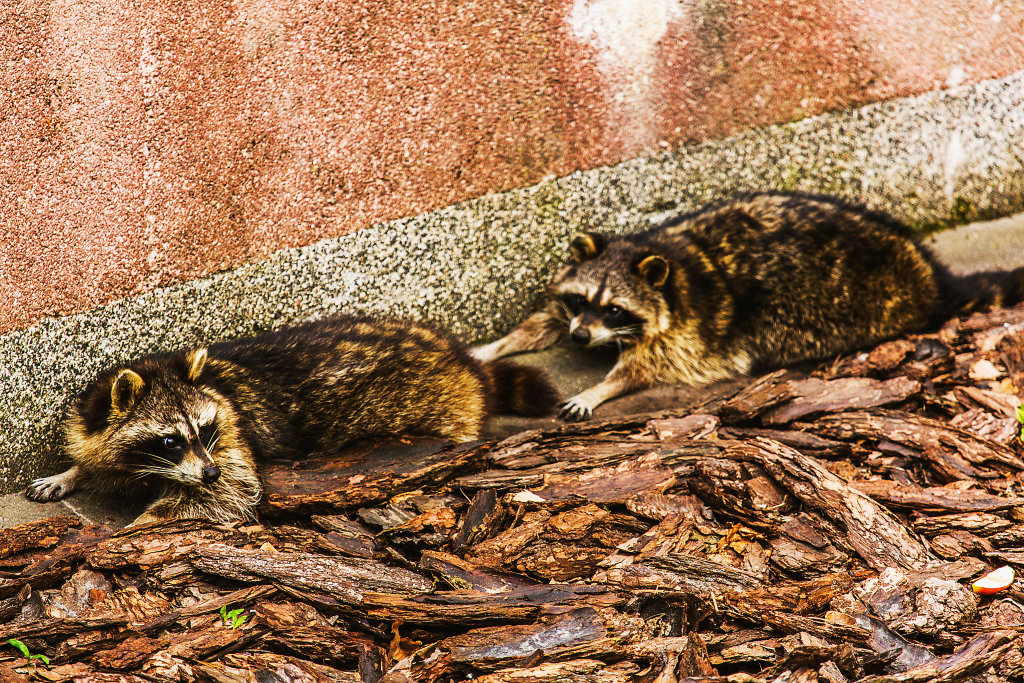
pixel 48 488
pixel 574 410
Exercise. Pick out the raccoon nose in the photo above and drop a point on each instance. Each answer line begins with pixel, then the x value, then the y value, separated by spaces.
pixel 210 474
pixel 581 335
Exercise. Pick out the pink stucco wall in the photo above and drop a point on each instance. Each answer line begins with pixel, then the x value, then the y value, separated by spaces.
pixel 146 142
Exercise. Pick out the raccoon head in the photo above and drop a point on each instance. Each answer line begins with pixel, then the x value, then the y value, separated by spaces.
pixel 152 420
pixel 612 292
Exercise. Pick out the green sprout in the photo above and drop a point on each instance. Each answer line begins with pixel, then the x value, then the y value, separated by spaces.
pixel 23 649
pixel 1020 421
pixel 234 618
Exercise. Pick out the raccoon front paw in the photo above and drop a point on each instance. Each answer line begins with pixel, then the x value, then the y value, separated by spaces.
pixel 48 488
pixel 575 409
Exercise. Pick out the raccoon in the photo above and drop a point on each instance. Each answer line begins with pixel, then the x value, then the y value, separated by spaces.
pixel 765 279
pixel 194 424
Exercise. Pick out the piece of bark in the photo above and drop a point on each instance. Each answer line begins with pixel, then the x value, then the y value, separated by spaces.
pixel 560 561
pixel 979 523
pixel 150 550
pixel 688 427
pixel 984 424
pixel 795 556
pixel 270 667
pixel 459 573
pixel 765 392
pixel 570 460
pixel 814 395
pixel 936 498
pixel 578 633
pixel 920 433
pixel 9 607
pixel 242 596
pixel 882 359
pixel 671 535
pixel 1011 352
pixel 877 535
pixel 722 483
pixel 499 552
pixel 607 485
pixel 365 473
pixel 573 671
pixel 482 520
pixel 55 627
pixel 1000 403
pixel 44 533
pixel 1014 536
pixel 798 440
pixel 958 543
pixel 682 574
pixel 343 578
pixel 307 634
pixel 975 656
pixel 478 608
pixel 657 506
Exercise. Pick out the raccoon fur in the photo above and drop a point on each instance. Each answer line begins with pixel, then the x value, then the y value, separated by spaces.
pixel 194 424
pixel 763 280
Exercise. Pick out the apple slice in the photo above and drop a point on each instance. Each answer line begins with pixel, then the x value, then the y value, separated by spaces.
pixel 994 581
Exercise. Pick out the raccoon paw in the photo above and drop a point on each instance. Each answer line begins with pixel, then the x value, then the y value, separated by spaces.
pixel 49 488
pixel 575 409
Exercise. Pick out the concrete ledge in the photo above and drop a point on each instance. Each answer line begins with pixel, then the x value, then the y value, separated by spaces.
pixel 934 160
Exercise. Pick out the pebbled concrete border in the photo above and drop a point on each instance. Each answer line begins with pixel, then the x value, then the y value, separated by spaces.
pixel 934 160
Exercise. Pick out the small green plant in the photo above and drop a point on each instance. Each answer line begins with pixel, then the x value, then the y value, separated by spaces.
pixel 234 618
pixel 1020 421
pixel 23 649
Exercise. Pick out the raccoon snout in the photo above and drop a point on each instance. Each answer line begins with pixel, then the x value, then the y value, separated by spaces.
pixel 580 335
pixel 211 473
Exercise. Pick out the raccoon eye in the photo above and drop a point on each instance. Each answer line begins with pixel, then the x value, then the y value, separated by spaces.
pixel 173 443
pixel 574 302
pixel 616 316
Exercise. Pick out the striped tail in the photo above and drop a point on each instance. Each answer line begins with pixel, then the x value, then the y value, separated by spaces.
pixel 521 389
pixel 966 294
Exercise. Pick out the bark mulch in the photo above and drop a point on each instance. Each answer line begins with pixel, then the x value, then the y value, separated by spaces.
pixel 821 527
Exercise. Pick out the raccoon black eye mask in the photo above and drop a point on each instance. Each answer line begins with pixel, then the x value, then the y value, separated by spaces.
pixel 762 280
pixel 194 424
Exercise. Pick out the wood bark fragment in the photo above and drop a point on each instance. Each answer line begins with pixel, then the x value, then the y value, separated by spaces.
pixel 877 535
pixel 343 578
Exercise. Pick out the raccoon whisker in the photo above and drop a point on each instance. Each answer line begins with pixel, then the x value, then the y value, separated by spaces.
pixel 565 310
pixel 146 471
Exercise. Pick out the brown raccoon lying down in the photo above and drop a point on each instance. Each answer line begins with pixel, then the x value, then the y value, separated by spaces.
pixel 194 424
pixel 763 280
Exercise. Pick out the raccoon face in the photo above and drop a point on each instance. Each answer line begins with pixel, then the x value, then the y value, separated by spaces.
pixel 180 450
pixel 611 293
pixel 160 424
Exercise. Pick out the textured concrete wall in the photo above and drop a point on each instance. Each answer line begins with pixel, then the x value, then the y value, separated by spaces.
pixel 476 266
pixel 151 142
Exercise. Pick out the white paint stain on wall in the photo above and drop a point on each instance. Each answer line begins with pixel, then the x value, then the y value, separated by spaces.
pixel 625 34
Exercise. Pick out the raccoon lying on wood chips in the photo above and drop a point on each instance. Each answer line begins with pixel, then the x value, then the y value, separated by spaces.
pixel 762 280
pixel 193 424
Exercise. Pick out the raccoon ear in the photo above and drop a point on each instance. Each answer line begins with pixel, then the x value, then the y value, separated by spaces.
pixel 653 269
pixel 196 361
pixel 586 245
pixel 125 391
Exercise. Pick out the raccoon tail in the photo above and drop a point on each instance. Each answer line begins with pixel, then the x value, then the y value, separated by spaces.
pixel 966 294
pixel 521 389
